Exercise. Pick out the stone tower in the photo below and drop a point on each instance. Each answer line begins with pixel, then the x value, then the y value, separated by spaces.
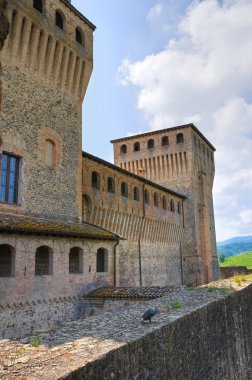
pixel 46 65
pixel 182 159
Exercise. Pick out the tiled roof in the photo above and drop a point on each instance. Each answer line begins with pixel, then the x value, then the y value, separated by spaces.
pixel 133 292
pixel 39 226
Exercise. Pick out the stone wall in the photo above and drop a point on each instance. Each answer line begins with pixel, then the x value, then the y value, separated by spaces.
pixel 151 253
pixel 186 167
pixel 213 342
pixel 227 272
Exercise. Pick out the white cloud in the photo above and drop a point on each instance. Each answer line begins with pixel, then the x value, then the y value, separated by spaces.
pixel 204 76
pixel 155 11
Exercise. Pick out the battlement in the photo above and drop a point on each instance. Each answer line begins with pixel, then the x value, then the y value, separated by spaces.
pixel 51 41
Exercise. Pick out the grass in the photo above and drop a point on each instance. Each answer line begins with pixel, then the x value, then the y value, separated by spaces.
pixel 176 304
pixel 244 260
pixel 35 342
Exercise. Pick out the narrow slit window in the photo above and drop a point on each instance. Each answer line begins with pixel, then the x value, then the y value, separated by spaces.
pixel 59 21
pixel 38 5
pixel 49 153
pixel 124 190
pixel 102 260
pixel 78 36
pixel 96 180
pixel 155 197
pixel 111 185
pixel 136 194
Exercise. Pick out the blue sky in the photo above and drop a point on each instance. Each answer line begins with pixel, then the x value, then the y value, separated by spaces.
pixel 160 63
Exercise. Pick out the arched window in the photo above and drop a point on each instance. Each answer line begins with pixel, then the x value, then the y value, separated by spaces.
pixel 87 208
pixel 50 153
pixel 146 197
pixel 179 208
pixel 38 5
pixel 43 261
pixel 124 149
pixel 137 147
pixel 150 144
pixel 96 180
pixel 102 260
pixel 136 194
pixel 7 261
pixel 155 198
pixel 78 36
pixel 124 190
pixel 172 206
pixel 59 20
pixel 75 260
pixel 164 203
pixel 111 185
pixel 180 138
pixel 165 141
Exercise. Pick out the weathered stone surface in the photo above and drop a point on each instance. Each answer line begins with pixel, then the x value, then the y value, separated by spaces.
pixel 208 338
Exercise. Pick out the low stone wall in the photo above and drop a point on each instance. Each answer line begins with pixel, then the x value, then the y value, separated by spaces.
pixel 227 272
pixel 213 342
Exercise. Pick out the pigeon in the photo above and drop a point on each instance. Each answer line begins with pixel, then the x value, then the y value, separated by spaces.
pixel 149 314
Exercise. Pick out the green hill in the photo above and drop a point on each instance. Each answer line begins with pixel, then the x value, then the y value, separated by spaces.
pixel 243 259
pixel 234 246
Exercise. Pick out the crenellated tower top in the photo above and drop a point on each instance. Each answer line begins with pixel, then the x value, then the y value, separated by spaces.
pixel 53 42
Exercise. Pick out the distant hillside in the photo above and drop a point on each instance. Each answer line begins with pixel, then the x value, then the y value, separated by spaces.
pixel 244 259
pixel 234 246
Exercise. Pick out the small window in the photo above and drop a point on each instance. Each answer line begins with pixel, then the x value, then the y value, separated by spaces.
pixel 172 206
pixel 49 153
pixel 136 194
pixel 59 21
pixel 96 180
pixel 7 261
pixel 146 197
pixel 180 138
pixel 9 179
pixel 87 208
pixel 155 197
pixel 43 261
pixel 78 36
pixel 150 144
pixel 38 5
pixel 102 260
pixel 124 190
pixel 137 147
pixel 124 149
pixel 179 208
pixel 75 260
pixel 165 141
pixel 164 203
pixel 111 185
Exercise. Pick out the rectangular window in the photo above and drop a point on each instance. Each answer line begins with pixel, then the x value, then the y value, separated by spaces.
pixel 9 179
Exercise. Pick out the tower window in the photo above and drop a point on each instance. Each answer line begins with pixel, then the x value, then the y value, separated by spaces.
pixel 59 21
pixel 111 185
pixel 78 36
pixel 87 208
pixel 7 261
pixel 49 153
pixel 179 208
pixel 43 261
pixel 38 5
pixel 136 194
pixel 102 260
pixel 137 147
pixel 124 149
pixel 75 260
pixel 155 197
pixel 96 180
pixel 164 203
pixel 180 138
pixel 9 179
pixel 150 144
pixel 172 206
pixel 124 190
pixel 146 197
pixel 165 141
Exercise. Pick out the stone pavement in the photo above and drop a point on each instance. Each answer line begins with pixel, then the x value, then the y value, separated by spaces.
pixel 54 354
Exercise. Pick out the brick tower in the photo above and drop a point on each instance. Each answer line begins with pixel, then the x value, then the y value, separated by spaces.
pixel 182 159
pixel 46 65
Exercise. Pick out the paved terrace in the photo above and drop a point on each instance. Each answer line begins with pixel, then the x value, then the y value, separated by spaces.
pixel 55 354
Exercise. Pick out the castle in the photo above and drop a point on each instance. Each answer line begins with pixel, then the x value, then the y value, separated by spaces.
pixel 70 221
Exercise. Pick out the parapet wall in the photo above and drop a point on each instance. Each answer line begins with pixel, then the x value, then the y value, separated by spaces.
pixel 213 342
